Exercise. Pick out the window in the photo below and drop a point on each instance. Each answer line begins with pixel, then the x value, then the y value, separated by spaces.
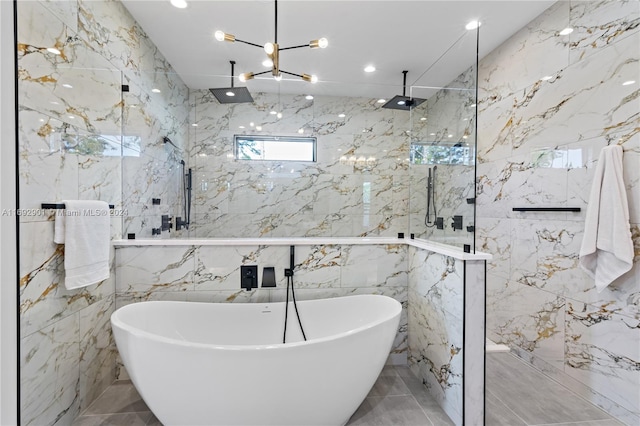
pixel 442 153
pixel 274 148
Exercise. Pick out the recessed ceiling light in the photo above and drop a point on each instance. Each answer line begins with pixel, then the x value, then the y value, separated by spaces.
pixel 71 117
pixel 381 101
pixel 369 68
pixel 240 127
pixel 194 124
pixel 67 85
pixel 628 82
pixel 155 90
pixel 180 4
pixel 566 31
pixel 273 112
pixel 53 50
pixel 341 115
pixel 423 119
pixel 546 78
pixel 279 115
pixel 258 128
pixel 301 131
pixel 267 63
pixel 308 97
pixel 230 93
pixel 472 106
pixel 449 135
pixel 432 134
pixel 252 124
pixel 472 25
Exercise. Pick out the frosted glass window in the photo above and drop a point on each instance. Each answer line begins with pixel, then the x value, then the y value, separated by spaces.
pixel 275 148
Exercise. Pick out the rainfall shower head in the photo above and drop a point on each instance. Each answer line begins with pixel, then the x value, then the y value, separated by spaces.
pixel 232 95
pixel 403 102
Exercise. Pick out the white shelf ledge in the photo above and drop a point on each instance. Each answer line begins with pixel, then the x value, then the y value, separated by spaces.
pixel 443 249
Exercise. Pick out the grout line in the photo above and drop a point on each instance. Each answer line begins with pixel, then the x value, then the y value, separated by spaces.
pixel 584 422
pixel 503 403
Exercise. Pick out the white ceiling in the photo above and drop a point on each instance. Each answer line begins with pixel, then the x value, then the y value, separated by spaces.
pixel 393 35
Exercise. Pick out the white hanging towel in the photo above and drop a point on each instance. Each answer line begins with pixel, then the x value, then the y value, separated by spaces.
pixel 84 229
pixel 607 249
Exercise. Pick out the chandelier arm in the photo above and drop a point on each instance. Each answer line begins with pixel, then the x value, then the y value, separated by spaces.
pixel 260 73
pixel 295 47
pixel 249 43
pixel 290 73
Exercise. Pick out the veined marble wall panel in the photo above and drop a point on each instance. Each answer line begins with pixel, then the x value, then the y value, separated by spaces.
pixel 357 186
pixel 71 109
pixel 49 374
pixel 97 349
pixel 603 349
pixel 598 24
pixel 435 324
pixel 526 317
pixel 532 53
pixel 543 152
pixel 64 10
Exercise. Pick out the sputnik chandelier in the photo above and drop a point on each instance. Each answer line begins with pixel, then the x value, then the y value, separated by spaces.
pixel 273 50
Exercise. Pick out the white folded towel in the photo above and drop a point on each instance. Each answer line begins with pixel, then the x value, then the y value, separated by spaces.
pixel 84 229
pixel 607 248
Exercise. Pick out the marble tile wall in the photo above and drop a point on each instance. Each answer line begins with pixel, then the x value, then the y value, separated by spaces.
pixel 71 146
pixel 212 274
pixel 446 331
pixel 548 105
pixel 357 187
pixel 435 318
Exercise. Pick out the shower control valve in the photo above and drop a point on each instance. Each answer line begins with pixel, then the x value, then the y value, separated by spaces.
pixel 181 223
pixel 166 223
pixel 457 222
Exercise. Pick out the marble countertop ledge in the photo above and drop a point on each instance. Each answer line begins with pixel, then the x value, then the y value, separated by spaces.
pixel 443 249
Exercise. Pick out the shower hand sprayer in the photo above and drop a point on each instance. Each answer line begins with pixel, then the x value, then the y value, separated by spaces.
pixel 187 179
pixel 289 274
pixel 431 198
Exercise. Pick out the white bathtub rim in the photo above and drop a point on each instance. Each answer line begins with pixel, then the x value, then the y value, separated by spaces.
pixel 116 321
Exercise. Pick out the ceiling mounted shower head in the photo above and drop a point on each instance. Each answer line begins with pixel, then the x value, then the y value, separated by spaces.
pixel 232 95
pixel 403 102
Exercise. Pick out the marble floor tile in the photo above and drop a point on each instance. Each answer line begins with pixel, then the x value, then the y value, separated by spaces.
pixel 129 419
pixel 532 396
pixel 401 410
pixel 121 397
pixel 498 414
pixel 517 395
pixel 389 383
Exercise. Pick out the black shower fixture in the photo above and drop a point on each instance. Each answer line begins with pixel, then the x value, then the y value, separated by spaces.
pixel 403 102
pixel 232 95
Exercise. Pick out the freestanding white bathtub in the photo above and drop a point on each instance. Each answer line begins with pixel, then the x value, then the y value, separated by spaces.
pixel 225 364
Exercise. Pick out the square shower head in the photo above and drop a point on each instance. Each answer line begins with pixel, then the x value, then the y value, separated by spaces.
pixel 232 95
pixel 404 103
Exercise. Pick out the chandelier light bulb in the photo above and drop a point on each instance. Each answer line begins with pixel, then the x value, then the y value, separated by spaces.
pixel 246 76
pixel 222 36
pixel 269 48
pixel 268 63
pixel 277 77
pixel 321 43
